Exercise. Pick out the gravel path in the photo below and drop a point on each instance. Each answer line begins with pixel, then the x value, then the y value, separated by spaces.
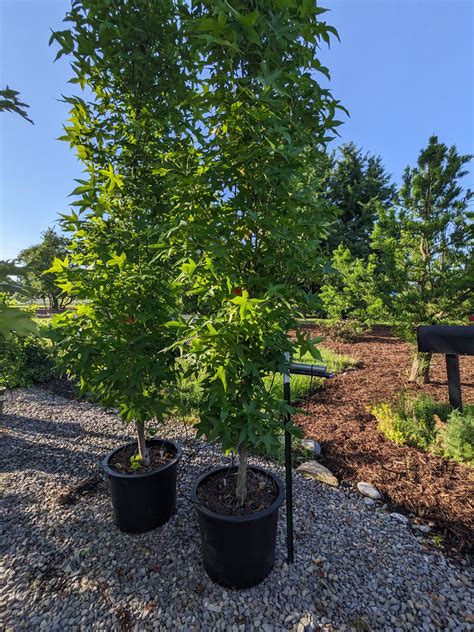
pixel 66 566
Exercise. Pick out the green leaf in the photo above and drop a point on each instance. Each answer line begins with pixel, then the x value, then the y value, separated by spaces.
pixel 117 260
pixel 58 265
pixel 249 19
pixel 221 375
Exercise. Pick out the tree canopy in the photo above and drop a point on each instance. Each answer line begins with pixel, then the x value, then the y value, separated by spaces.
pixel 38 259
pixel 246 228
pixel 424 244
pixel 128 55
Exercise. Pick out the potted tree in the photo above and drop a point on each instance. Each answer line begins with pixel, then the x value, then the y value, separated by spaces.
pixel 113 346
pixel 250 223
pixel 127 55
pixel 238 505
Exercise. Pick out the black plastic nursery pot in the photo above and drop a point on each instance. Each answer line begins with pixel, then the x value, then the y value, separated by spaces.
pixel 142 502
pixel 238 551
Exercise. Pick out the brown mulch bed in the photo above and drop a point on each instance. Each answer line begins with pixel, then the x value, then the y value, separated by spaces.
pixel 435 489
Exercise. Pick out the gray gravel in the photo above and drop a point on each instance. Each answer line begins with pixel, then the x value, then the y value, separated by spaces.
pixel 67 567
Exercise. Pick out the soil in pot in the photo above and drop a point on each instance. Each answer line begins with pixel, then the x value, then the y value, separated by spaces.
pixel 159 456
pixel 217 492
pixel 238 543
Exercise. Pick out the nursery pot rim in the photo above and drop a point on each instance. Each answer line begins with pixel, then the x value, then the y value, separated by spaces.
pixel 276 504
pixel 111 472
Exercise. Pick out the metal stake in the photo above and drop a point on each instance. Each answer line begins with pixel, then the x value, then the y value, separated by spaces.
pixel 299 368
pixel 288 466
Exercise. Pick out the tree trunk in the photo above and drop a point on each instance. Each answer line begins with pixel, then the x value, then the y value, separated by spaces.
pixel 142 449
pixel 420 368
pixel 53 302
pixel 241 488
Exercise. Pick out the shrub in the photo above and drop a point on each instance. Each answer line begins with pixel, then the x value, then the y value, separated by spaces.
pixel 457 438
pixel 350 294
pixel 25 360
pixel 346 330
pixel 420 422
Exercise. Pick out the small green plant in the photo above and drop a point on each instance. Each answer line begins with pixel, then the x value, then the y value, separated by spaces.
pixel 136 462
pixel 457 437
pixel 437 540
pixel 423 423
pixel 387 422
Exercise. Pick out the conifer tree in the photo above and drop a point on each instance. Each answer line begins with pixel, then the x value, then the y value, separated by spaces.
pixel 424 247
pixel 357 186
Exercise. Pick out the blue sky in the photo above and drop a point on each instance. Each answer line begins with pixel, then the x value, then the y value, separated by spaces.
pixel 404 69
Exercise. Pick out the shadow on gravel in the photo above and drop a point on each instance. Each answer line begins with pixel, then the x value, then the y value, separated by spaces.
pixel 35 426
pixel 21 454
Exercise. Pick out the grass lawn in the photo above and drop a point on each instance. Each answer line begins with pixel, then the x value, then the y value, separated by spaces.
pixel 301 385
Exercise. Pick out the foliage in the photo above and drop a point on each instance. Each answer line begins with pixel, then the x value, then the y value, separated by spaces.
pixel 190 390
pixel 128 56
pixel 420 268
pixel 423 244
pixel 38 259
pixel 357 185
pixel 135 462
pixel 457 438
pixel 411 421
pixel 25 360
pixel 346 330
pixel 247 225
pixel 12 318
pixel 314 178
pixel 234 350
pixel 350 294
pixel 425 424
pixel 10 102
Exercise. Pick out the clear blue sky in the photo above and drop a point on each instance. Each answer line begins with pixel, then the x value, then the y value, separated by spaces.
pixel 404 69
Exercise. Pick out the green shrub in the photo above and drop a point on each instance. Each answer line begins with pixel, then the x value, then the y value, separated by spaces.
pixel 423 423
pixel 25 360
pixel 346 330
pixel 388 422
pixel 457 438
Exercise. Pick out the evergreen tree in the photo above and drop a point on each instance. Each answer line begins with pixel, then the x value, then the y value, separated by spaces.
pixel 424 246
pixel 350 294
pixel 357 186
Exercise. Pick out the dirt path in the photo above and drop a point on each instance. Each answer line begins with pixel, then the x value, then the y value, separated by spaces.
pixel 439 491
